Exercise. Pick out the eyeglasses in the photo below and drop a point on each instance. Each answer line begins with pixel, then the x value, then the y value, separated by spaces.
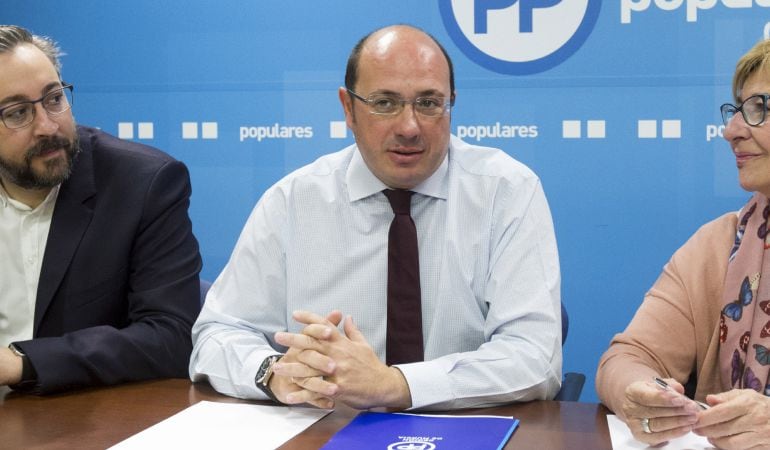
pixel 753 109
pixel 392 105
pixel 19 115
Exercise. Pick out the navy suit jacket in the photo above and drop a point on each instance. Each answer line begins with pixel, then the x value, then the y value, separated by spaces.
pixel 119 287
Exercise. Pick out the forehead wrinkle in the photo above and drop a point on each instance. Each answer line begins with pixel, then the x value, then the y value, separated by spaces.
pixel 25 68
pixel 19 98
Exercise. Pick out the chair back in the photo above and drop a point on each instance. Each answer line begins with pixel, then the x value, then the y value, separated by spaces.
pixel 564 324
pixel 572 384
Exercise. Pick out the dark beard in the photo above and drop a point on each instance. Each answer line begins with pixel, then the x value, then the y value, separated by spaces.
pixel 56 170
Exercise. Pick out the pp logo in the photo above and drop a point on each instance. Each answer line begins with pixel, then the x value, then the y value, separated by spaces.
pixel 412 446
pixel 519 36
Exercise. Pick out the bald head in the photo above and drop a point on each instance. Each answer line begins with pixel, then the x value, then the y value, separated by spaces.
pixel 387 40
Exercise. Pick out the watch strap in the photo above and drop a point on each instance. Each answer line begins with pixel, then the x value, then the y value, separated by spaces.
pixel 264 374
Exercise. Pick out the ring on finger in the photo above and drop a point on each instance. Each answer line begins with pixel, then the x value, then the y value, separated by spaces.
pixel 646 425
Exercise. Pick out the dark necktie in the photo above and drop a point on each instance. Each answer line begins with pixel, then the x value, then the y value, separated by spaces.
pixel 404 338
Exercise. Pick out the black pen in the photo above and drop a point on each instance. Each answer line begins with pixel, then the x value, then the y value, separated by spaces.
pixel 666 387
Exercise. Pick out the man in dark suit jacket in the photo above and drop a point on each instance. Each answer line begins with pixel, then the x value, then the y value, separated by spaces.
pixel 117 290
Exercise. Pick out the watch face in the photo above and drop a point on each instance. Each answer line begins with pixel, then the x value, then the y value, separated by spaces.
pixel 265 370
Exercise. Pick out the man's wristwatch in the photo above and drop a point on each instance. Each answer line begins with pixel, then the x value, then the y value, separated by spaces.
pixel 264 374
pixel 16 351
pixel 28 373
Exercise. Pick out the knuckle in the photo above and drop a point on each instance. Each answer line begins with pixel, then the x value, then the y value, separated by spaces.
pixel 307 341
pixel 307 357
pixel 628 407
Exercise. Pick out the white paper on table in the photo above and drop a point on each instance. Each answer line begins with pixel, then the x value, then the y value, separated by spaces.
pixel 208 425
pixel 622 439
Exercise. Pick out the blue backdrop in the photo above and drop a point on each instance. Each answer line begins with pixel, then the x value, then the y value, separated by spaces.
pixel 619 116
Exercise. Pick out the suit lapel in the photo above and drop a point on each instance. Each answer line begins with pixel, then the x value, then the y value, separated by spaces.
pixel 71 217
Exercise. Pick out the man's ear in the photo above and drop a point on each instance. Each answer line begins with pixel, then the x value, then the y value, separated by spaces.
pixel 347 106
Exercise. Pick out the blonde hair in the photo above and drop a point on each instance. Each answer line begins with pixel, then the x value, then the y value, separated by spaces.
pixel 755 60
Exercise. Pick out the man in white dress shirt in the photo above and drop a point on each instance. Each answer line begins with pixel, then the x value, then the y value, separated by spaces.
pixel 298 315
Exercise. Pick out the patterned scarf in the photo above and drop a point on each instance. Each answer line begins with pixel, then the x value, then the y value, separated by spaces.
pixel 744 325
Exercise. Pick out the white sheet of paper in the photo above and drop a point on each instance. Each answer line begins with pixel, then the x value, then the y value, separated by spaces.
pixel 622 439
pixel 208 425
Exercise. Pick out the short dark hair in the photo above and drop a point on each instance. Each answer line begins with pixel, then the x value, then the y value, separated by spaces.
pixel 351 71
pixel 11 36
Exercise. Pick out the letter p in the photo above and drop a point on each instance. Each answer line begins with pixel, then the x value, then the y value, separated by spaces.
pixel 480 9
pixel 626 6
pixel 525 12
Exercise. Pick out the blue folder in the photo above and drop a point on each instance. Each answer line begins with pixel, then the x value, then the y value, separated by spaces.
pixel 398 431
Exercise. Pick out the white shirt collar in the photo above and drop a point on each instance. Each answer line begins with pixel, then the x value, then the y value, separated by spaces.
pixel 362 182
pixel 3 196
pixel 6 200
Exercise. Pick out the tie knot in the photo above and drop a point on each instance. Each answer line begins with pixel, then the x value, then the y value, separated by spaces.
pixel 400 200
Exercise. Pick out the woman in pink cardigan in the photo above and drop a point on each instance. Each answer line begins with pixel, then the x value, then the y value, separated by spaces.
pixel 706 321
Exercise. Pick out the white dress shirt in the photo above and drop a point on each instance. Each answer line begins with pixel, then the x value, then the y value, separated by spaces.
pixel 317 241
pixel 23 237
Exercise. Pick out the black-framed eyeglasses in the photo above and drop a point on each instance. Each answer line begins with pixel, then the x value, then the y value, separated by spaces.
pixel 753 109
pixel 392 105
pixel 21 114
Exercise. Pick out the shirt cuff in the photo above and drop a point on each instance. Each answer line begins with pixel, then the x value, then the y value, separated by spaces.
pixel 428 383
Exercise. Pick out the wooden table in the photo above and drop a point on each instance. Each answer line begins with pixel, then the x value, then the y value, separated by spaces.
pixel 101 417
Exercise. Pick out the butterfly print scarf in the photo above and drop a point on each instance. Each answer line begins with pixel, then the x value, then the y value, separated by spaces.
pixel 744 325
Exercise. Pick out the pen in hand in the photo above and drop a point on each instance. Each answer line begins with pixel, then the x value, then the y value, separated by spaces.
pixel 666 387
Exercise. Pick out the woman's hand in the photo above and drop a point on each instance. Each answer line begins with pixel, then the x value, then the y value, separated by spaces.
pixel 738 419
pixel 657 415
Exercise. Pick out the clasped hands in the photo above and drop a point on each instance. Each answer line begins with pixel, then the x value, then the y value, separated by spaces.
pixel 736 419
pixel 324 366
